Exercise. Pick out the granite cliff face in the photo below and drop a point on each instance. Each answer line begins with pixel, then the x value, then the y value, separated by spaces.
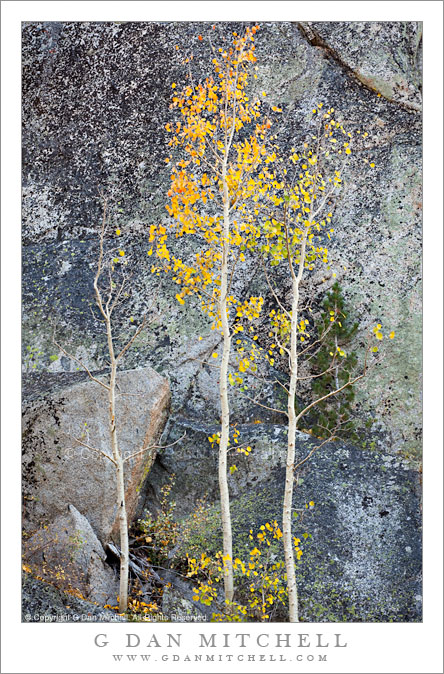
pixel 96 99
pixel 95 103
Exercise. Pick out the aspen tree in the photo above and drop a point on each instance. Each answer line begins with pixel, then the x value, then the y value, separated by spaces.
pixel 218 144
pixel 108 297
pixel 226 176
pixel 296 233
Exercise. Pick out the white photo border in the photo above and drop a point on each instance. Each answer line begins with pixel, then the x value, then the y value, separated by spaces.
pixel 372 648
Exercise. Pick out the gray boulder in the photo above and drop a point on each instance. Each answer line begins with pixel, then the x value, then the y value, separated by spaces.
pixel 68 554
pixel 43 602
pixel 179 607
pixel 58 472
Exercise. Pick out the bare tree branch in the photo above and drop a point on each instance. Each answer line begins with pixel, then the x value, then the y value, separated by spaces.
pixel 146 449
pixel 92 449
pixel 282 385
pixel 110 294
pixel 280 345
pixel 287 243
pixel 332 393
pixel 318 341
pixel 256 402
pixel 324 201
pixel 99 263
pixel 272 289
pixel 199 290
pixel 263 380
pixel 79 362
pixel 313 376
pixel 119 292
pixel 204 362
pixel 314 449
pixel 134 337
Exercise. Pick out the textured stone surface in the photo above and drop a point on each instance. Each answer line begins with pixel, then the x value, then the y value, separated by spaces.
pixel 178 605
pixel 362 561
pixel 42 602
pixel 68 553
pixel 56 472
pixel 96 99
pixel 384 56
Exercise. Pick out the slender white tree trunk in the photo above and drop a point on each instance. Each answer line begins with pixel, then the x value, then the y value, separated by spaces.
pixel 289 473
pixel 124 545
pixel 225 410
pixel 120 494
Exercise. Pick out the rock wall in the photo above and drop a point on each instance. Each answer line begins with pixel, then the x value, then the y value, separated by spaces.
pixel 362 558
pixel 42 602
pixel 95 103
